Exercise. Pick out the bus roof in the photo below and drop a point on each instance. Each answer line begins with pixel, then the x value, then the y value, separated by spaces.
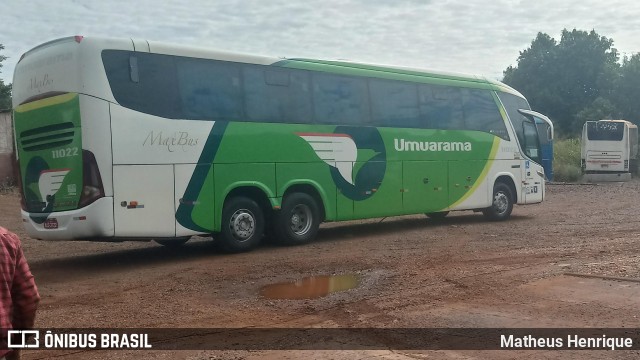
pixel 399 71
pixel 332 66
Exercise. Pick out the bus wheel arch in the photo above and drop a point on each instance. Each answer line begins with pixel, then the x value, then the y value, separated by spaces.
pixel 310 190
pixel 300 215
pixel 503 198
pixel 255 193
pixel 508 180
pixel 243 219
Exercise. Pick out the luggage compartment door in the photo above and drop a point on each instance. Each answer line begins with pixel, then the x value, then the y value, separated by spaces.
pixel 144 201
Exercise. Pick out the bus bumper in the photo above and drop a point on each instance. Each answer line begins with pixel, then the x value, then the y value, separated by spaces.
pixel 90 222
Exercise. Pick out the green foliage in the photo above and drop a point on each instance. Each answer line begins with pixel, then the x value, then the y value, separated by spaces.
pixel 5 90
pixel 563 79
pixel 627 90
pixel 599 109
pixel 566 160
pixel 5 96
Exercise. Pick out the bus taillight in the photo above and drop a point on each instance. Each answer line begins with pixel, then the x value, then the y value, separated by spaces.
pixel 92 188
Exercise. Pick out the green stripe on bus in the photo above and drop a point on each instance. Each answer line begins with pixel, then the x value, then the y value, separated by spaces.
pixel 184 214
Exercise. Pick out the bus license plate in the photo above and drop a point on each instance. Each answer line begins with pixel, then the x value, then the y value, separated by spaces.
pixel 51 223
pixel 604 165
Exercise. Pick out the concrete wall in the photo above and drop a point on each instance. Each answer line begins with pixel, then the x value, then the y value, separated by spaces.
pixel 6 146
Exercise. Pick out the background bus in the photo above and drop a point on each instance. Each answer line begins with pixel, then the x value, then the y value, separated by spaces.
pixel 610 147
pixel 127 139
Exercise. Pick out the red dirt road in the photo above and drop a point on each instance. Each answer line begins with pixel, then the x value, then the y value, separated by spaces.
pixel 413 273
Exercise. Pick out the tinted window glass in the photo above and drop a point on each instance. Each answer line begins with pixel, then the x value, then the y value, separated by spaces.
pixel 155 89
pixel 394 104
pixel 512 103
pixel 188 88
pixel 277 95
pixel 544 132
pixel 605 130
pixel 340 100
pixel 531 141
pixel 210 89
pixel 481 113
pixel 442 106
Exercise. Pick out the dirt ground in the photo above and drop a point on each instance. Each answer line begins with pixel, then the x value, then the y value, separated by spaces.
pixel 412 272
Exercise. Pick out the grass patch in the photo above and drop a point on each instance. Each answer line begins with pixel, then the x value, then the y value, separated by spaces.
pixel 566 160
pixel 7 186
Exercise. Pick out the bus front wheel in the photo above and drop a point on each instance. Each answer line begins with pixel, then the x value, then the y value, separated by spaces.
pixel 242 225
pixel 501 203
pixel 298 220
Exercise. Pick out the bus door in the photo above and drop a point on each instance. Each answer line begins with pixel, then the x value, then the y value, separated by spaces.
pixel 532 170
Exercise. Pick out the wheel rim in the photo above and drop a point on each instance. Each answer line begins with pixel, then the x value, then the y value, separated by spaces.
pixel 301 219
pixel 242 224
pixel 501 202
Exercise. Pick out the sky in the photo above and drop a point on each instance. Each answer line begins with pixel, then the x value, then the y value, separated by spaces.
pixel 467 36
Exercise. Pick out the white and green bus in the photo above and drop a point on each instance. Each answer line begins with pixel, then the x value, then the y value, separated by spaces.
pixel 137 140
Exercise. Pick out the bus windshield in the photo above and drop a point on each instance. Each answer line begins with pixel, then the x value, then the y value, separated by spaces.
pixel 605 130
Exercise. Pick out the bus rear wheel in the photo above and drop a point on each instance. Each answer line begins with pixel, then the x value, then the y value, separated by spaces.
pixel 501 203
pixel 298 220
pixel 242 225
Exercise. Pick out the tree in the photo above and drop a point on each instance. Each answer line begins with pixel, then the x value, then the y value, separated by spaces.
pixel 627 92
pixel 535 73
pixel 600 109
pixel 561 79
pixel 5 90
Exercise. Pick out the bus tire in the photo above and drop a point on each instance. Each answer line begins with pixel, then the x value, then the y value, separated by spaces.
pixel 501 203
pixel 242 225
pixel 298 220
pixel 439 215
pixel 173 243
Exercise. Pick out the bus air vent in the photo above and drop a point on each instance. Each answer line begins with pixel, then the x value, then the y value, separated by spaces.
pixel 47 137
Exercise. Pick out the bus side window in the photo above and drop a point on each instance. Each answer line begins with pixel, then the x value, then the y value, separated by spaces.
pixel 143 82
pixel 340 99
pixel 210 90
pixel 394 104
pixel 441 106
pixel 481 113
pixel 276 95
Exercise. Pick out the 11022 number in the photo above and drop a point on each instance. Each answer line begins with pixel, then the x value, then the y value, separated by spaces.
pixel 62 153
